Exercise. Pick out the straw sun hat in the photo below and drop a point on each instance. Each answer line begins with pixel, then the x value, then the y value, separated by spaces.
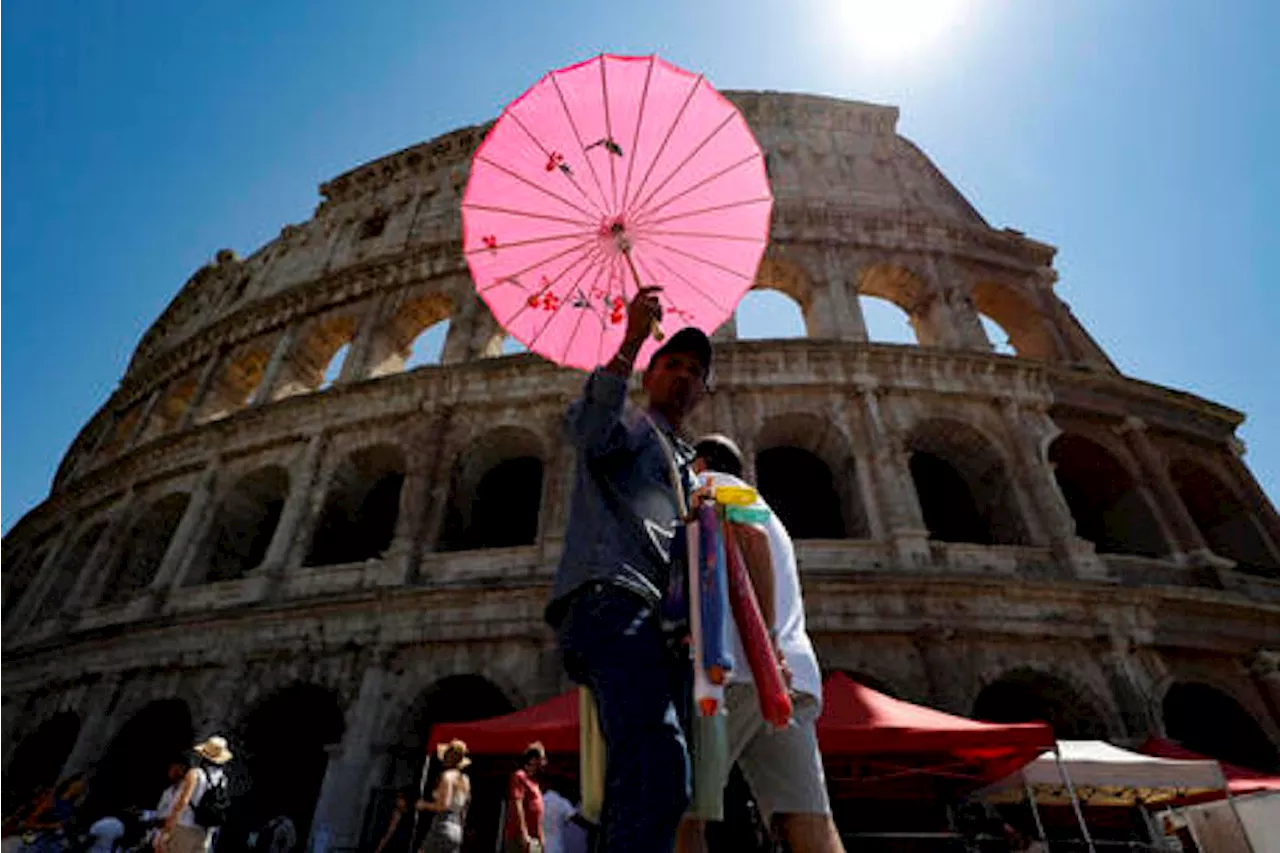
pixel 453 754
pixel 214 749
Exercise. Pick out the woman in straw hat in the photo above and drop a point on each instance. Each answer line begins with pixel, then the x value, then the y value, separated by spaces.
pixel 192 781
pixel 449 801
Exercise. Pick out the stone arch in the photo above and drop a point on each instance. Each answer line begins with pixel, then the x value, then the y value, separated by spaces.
pixel 396 346
pixel 38 759
pixel 244 524
pixel 496 497
pixel 134 768
pixel 237 379
pixel 361 508
pixel 284 743
pixel 452 699
pixel 310 358
pixel 1109 508
pixel 1228 525
pixel 1028 333
pixel 908 291
pixel 70 565
pixel 768 314
pixel 1204 719
pixel 806 472
pixel 172 407
pixel 963 484
pixel 144 548
pixel 1026 695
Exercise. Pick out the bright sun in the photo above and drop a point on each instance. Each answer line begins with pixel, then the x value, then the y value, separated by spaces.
pixel 892 29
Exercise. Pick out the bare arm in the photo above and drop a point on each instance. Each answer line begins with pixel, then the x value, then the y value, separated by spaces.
pixel 182 801
pixel 391 830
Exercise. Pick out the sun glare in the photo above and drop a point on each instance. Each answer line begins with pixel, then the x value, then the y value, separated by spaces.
pixel 884 30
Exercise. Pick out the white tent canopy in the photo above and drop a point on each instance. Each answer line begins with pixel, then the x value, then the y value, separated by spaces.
pixel 1103 774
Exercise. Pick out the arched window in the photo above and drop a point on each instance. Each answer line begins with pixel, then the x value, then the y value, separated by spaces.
pixel 70 565
pixel 1208 721
pixel 964 490
pixel 1108 507
pixel 317 357
pixel 1227 524
pixel 800 489
pixel 428 347
pixel 1013 323
pixel 144 548
pixel 237 379
pixel 172 406
pixel 361 508
pixel 135 767
pixel 503 510
pixel 37 761
pixel 245 524
pixel 886 323
pixel 1027 696
pixel 454 699
pixel 769 314
pixel 286 740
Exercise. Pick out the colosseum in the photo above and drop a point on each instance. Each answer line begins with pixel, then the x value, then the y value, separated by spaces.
pixel 322 509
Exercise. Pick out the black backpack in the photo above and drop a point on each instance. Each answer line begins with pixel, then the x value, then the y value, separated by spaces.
pixel 215 805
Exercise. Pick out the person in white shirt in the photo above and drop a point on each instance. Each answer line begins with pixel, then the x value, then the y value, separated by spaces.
pixel 563 833
pixel 783 768
pixel 190 781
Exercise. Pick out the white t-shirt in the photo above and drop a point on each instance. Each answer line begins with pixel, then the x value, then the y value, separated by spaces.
pixel 561 834
pixel 793 640
pixel 170 796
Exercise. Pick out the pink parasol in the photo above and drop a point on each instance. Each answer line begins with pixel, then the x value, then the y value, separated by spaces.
pixel 604 174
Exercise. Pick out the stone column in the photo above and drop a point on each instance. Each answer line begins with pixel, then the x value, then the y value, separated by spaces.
pixel 1187 544
pixel 471 322
pixel 41 578
pixel 93 575
pixel 1030 431
pixel 894 492
pixel 728 330
pixel 356 365
pixel 91 743
pixel 841 296
pixel 140 428
pixel 271 373
pixel 293 532
pixel 343 793
pixel 184 550
pixel 207 374
pixel 1265 669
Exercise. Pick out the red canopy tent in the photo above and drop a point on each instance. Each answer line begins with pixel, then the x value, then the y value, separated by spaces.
pixel 1240 780
pixel 877 745
pixel 869 739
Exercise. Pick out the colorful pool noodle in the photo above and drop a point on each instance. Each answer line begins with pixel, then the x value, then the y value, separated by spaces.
pixel 708 698
pixel 766 673
pixel 713 598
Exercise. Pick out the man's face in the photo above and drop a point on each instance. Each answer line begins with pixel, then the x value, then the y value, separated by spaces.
pixel 676 382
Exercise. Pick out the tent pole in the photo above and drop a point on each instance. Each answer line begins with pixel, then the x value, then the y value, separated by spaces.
pixel 1075 801
pixel 1244 830
pixel 1035 811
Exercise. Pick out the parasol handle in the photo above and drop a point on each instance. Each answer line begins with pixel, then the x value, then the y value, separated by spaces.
pixel 625 246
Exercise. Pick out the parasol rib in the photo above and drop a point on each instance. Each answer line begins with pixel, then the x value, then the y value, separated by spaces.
pixel 666 139
pixel 573 336
pixel 573 125
pixel 701 260
pixel 546 152
pixel 657 259
pixel 522 179
pixel 639 219
pixel 559 307
pixel 608 134
pixel 509 211
pixel 586 245
pixel 635 138
pixel 643 206
pixel 532 241
pixel 712 209
pixel 550 284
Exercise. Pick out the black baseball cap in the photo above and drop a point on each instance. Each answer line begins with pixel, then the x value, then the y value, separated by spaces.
pixel 691 341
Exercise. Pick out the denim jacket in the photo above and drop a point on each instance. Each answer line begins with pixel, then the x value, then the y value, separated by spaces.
pixel 624 513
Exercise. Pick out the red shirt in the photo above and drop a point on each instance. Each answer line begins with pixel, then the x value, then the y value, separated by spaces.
pixel 524 790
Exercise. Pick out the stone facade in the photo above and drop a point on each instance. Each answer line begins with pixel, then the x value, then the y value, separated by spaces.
pixel 1034 535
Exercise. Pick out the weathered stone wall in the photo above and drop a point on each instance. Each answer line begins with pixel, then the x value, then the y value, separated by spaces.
pixel 224 443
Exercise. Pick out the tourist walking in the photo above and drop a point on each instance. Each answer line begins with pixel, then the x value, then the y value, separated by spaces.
pixel 783 767
pixel 631 477
pixel 449 800
pixel 197 800
pixel 524 830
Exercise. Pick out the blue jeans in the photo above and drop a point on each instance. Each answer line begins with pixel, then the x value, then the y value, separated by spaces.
pixel 612 643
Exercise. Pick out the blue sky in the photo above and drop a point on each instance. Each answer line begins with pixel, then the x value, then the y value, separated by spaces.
pixel 1139 137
